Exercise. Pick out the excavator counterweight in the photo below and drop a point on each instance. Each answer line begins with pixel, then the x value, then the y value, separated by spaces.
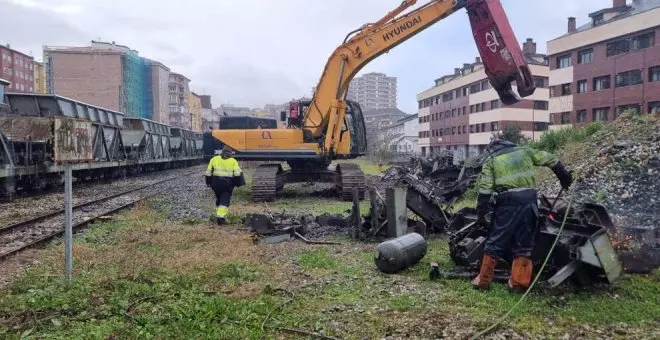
pixel 328 127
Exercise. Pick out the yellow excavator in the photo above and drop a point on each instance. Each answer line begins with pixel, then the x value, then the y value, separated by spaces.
pixel 329 127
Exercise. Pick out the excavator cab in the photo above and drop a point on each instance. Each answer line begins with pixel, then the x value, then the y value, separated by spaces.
pixel 503 60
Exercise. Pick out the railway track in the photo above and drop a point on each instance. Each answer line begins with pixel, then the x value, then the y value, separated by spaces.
pixel 34 231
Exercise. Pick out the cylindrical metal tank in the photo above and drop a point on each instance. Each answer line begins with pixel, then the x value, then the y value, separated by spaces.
pixel 400 253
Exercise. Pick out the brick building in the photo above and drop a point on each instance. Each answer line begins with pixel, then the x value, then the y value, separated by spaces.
pixel 606 66
pixel 111 76
pixel 462 111
pixel 17 68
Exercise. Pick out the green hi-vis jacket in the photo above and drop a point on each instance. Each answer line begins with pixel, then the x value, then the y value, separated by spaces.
pixel 223 167
pixel 512 167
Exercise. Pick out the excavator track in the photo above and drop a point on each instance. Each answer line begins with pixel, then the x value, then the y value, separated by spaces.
pixel 350 176
pixel 264 182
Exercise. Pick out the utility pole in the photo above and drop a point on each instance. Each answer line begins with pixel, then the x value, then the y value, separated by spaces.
pixel 68 220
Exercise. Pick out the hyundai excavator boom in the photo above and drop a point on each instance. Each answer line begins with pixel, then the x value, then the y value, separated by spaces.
pixel 329 127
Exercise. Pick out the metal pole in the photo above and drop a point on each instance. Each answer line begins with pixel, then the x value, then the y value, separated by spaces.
pixel 68 223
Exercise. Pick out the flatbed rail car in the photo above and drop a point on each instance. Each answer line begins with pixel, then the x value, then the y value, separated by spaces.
pixel 39 133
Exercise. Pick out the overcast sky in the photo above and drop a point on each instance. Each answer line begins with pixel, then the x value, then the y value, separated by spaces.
pixel 256 52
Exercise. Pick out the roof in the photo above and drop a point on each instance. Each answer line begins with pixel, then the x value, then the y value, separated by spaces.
pixel 16 51
pixel 634 8
pixel 408 118
pixel 179 75
pixel 4 81
pixel 383 112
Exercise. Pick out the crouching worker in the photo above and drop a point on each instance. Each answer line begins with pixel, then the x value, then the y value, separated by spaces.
pixel 222 175
pixel 510 175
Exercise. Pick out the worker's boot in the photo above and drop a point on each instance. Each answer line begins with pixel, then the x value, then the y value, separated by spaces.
pixel 486 273
pixel 521 274
pixel 220 221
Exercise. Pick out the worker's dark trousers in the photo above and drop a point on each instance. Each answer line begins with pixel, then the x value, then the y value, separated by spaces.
pixel 514 224
pixel 223 189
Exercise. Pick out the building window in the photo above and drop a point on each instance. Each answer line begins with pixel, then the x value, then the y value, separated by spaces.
pixel 474 88
pixel 629 78
pixel 453 130
pixel 453 112
pixel 540 126
pixel 601 83
pixel 539 82
pixel 654 73
pixel 581 116
pixel 600 114
pixel 540 105
pixel 447 97
pixel 598 19
pixel 471 108
pixel 464 110
pixel 582 86
pixel 458 93
pixel 471 128
pixel 564 61
pixel 566 89
pixel 494 126
pixel 483 127
pixel 494 104
pixel 464 128
pixel 483 106
pixel 654 107
pixel 465 91
pixel 565 117
pixel 617 47
pixel 586 56
pixel 635 109
pixel 626 45
pixel 485 85
pixel 642 41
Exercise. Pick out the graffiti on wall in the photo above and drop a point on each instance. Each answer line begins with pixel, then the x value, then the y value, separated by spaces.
pixel 73 140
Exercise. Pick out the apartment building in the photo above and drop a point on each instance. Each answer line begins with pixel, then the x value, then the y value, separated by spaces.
pixel 402 136
pixel 17 68
pixel 179 90
pixel 606 66
pixel 462 111
pixel 195 104
pixel 160 80
pixel 375 120
pixel 373 91
pixel 109 75
pixel 39 77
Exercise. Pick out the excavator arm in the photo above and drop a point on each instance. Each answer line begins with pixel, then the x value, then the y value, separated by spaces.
pixel 496 42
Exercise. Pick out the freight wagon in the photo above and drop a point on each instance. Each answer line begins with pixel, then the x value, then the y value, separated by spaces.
pixel 40 133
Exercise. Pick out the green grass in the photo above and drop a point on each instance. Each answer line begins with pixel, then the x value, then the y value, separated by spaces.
pixel 140 276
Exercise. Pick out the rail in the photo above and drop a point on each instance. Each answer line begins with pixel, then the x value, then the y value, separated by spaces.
pixel 25 241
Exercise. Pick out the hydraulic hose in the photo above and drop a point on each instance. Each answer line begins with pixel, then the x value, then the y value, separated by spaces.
pixel 538 275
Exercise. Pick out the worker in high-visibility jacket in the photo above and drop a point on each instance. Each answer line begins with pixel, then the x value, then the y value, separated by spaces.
pixel 509 174
pixel 222 175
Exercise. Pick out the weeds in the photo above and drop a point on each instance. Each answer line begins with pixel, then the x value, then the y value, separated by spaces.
pixel 552 141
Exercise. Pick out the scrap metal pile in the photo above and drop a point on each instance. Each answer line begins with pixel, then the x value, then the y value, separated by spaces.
pixel 433 186
pixel 279 227
pixel 584 253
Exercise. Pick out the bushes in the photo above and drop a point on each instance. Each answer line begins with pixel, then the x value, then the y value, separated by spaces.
pixel 554 140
